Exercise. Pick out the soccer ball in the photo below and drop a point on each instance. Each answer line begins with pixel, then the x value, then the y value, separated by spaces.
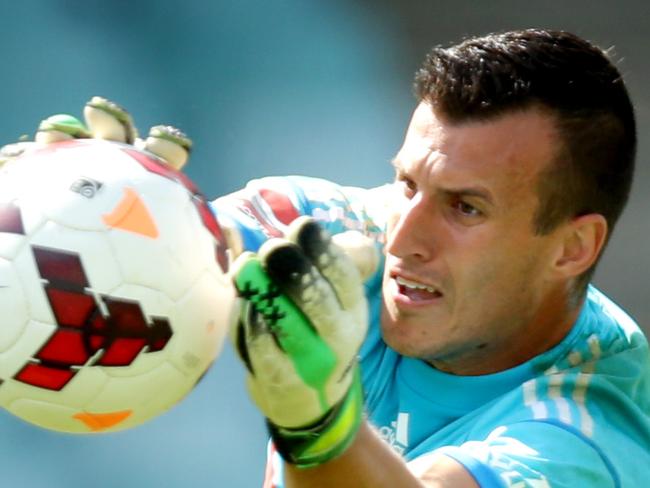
pixel 114 298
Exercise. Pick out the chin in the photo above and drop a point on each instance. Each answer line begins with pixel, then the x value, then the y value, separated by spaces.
pixel 401 339
pixel 403 348
pixel 412 339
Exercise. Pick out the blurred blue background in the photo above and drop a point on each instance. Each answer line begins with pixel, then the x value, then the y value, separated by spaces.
pixel 310 87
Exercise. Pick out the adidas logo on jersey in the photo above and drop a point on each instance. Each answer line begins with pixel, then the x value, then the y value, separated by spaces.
pixel 397 434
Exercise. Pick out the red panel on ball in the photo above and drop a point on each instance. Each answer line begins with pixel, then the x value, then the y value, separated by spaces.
pixel 45 376
pixel 126 318
pixel 160 334
pixel 71 309
pixel 65 347
pixel 60 267
pixel 97 323
pixel 96 342
pixel 122 352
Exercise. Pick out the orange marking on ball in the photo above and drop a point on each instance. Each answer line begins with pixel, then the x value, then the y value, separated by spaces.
pixel 98 422
pixel 132 215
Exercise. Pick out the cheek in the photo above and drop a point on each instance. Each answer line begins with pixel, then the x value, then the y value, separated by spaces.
pixel 472 262
pixel 503 276
pixel 489 267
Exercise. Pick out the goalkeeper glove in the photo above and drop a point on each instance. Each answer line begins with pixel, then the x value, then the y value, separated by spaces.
pixel 303 319
pixel 107 120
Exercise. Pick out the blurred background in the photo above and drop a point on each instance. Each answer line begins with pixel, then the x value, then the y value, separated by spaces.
pixel 315 87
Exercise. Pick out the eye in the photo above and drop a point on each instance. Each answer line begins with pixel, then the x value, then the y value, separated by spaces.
pixel 465 209
pixel 408 185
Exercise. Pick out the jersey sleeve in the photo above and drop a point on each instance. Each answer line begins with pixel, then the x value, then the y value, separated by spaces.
pixel 529 454
pixel 265 207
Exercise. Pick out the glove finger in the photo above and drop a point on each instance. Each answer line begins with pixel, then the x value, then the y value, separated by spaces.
pixel 295 275
pixel 272 380
pixel 273 314
pixel 277 388
pixel 108 120
pixel 251 330
pixel 60 127
pixel 169 143
pixel 338 268
pixel 300 280
pixel 361 249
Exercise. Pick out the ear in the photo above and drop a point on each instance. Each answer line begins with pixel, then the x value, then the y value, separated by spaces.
pixel 582 241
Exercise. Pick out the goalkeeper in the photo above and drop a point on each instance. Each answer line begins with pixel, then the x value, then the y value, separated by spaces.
pixel 489 360
pixel 455 341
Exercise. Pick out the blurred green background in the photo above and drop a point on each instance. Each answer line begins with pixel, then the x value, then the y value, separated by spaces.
pixel 316 87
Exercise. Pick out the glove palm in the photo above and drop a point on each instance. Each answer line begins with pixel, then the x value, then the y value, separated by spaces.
pixel 304 317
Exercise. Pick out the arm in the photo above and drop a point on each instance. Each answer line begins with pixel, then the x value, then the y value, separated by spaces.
pixel 370 462
pixel 529 454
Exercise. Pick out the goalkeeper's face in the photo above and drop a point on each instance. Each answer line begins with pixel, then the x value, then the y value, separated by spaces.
pixel 468 284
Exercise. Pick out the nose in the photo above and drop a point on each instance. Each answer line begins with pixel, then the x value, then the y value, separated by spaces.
pixel 410 230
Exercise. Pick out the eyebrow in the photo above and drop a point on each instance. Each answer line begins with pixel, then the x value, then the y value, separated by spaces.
pixel 470 191
pixel 477 192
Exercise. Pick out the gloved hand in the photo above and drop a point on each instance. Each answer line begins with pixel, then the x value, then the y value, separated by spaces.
pixel 107 120
pixel 302 322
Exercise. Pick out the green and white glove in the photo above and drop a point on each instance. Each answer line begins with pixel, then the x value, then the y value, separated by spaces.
pixel 107 120
pixel 302 322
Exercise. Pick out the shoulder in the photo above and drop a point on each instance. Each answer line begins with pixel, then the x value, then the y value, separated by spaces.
pixel 603 336
pixel 611 323
pixel 597 390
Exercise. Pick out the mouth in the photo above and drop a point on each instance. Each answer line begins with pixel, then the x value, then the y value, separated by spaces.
pixel 411 292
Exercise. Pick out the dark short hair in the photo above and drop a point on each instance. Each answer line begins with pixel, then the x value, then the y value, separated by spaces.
pixel 576 82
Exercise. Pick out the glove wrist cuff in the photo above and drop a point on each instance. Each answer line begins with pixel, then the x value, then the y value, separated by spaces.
pixel 328 437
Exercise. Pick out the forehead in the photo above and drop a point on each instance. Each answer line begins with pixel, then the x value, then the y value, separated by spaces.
pixel 505 153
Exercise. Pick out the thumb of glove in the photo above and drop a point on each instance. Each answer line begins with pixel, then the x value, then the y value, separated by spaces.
pixel 361 249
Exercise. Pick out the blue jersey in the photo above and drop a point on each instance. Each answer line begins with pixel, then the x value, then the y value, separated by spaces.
pixel 576 415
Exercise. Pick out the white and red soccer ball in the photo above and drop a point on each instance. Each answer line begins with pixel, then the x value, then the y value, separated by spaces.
pixel 113 294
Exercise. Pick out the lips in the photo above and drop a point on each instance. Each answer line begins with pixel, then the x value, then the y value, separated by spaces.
pixel 415 291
